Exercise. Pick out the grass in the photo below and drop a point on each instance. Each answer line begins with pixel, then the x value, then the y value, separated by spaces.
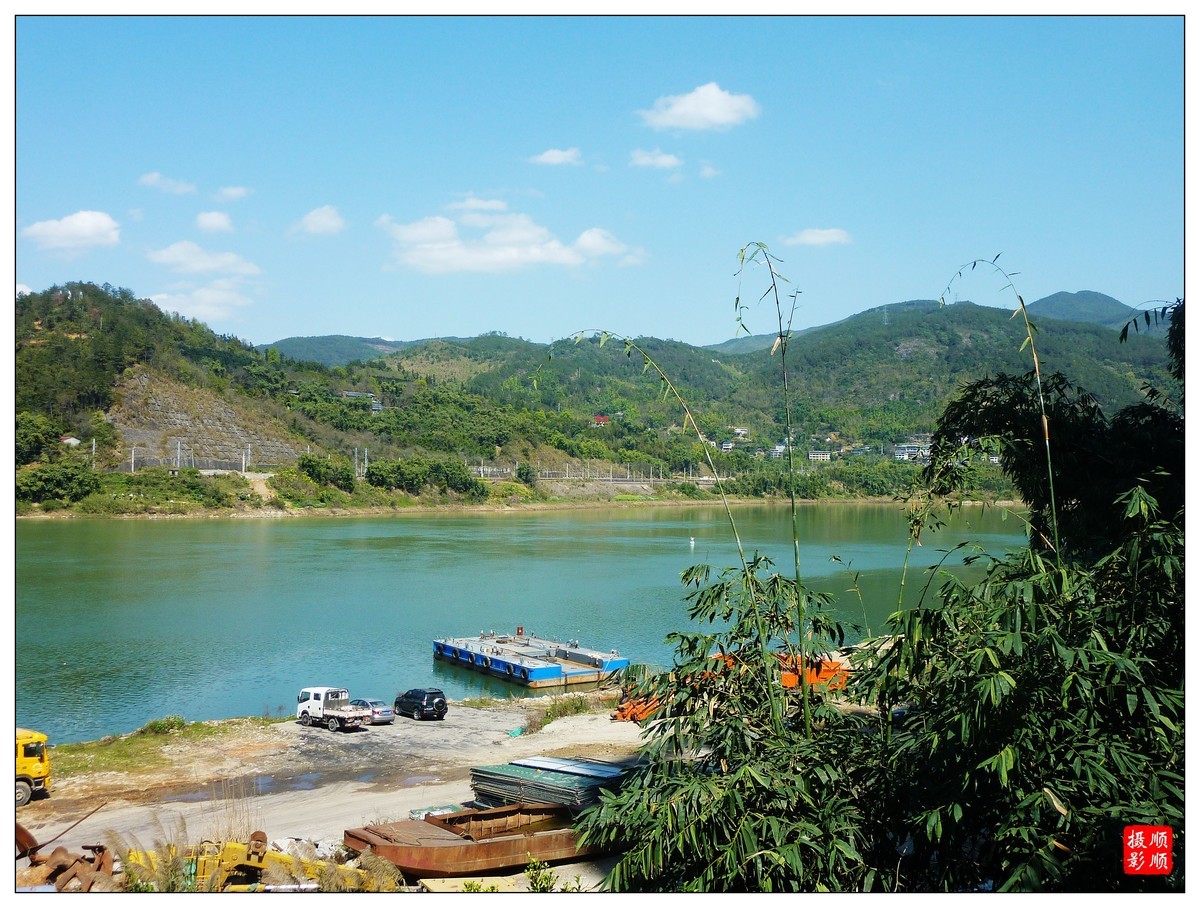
pixel 234 815
pixel 485 702
pixel 570 705
pixel 142 749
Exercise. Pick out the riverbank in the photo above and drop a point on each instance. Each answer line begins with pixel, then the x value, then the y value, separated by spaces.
pixel 311 784
pixel 427 509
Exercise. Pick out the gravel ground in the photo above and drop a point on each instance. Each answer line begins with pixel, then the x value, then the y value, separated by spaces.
pixel 311 784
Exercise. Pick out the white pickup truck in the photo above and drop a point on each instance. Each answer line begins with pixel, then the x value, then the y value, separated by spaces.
pixel 330 706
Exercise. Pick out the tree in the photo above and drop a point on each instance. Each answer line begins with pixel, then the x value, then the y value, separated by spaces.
pixel 35 436
pixel 66 480
pixel 1094 459
pixel 526 474
pixel 1005 730
pixel 326 473
pixel 1048 696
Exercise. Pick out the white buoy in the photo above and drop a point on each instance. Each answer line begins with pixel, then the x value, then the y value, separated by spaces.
pixel 693 539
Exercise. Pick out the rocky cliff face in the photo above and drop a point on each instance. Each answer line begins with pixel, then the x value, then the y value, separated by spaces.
pixel 164 419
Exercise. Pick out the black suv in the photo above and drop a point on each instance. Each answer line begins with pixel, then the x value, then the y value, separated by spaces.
pixel 421 703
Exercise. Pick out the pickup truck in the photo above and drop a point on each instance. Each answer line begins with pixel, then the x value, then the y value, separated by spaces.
pixel 330 706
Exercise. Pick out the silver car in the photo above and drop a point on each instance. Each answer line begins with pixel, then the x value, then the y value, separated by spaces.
pixel 381 713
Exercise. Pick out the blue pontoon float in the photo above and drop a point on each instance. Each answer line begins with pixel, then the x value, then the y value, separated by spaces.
pixel 529 659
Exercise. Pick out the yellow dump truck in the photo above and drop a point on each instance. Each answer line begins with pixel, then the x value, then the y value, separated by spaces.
pixel 33 765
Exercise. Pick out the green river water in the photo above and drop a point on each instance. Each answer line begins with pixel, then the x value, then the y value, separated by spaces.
pixel 119 622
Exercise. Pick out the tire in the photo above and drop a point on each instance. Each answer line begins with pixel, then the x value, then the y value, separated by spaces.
pixel 306 720
pixel 24 793
pixel 417 713
pixel 332 724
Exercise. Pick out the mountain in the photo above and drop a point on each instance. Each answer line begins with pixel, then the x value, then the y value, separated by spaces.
pixel 873 378
pixel 335 349
pixel 1085 306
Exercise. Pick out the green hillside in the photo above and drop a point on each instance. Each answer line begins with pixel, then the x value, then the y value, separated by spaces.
pixel 99 364
pixel 1085 306
pixel 335 349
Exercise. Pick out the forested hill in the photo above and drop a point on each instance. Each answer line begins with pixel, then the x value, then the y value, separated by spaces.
pixel 335 349
pixel 1086 306
pixel 869 380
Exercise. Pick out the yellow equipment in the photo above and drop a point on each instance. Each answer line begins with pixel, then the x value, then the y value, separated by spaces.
pixel 238 867
pixel 33 765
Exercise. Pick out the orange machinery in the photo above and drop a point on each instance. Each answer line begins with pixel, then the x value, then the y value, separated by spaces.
pixel 829 671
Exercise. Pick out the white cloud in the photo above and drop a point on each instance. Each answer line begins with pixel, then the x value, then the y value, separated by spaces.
pixel 708 172
pixel 427 231
pixel 558 156
pixel 187 258
pixel 22 290
pixel 156 180
pixel 214 222
pixel 707 107
pixel 656 158
pixel 507 229
pixel 485 238
pixel 473 204
pixel 216 302
pixel 232 193
pixel 812 236
pixel 322 221
pixel 596 241
pixel 80 230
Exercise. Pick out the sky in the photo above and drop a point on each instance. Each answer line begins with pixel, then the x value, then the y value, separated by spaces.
pixel 414 177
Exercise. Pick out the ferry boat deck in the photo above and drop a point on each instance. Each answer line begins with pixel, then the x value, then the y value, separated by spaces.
pixel 528 659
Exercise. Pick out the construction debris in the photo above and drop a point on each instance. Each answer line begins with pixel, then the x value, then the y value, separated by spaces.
pixel 62 870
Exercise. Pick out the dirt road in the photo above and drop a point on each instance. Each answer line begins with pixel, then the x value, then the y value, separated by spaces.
pixel 311 784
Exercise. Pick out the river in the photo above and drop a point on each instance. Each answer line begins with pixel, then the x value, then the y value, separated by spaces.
pixel 119 622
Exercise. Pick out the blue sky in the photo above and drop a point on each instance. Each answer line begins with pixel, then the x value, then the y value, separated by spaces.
pixel 422 177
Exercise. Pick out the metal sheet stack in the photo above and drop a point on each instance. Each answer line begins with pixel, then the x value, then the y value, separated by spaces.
pixel 545 780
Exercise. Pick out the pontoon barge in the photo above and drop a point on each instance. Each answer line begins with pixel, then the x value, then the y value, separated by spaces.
pixel 529 659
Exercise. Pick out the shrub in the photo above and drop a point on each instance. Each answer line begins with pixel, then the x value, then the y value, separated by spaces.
pixel 162 726
pixel 326 473
pixel 68 480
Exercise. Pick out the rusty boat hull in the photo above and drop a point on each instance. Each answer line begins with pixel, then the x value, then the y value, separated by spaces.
pixel 473 842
